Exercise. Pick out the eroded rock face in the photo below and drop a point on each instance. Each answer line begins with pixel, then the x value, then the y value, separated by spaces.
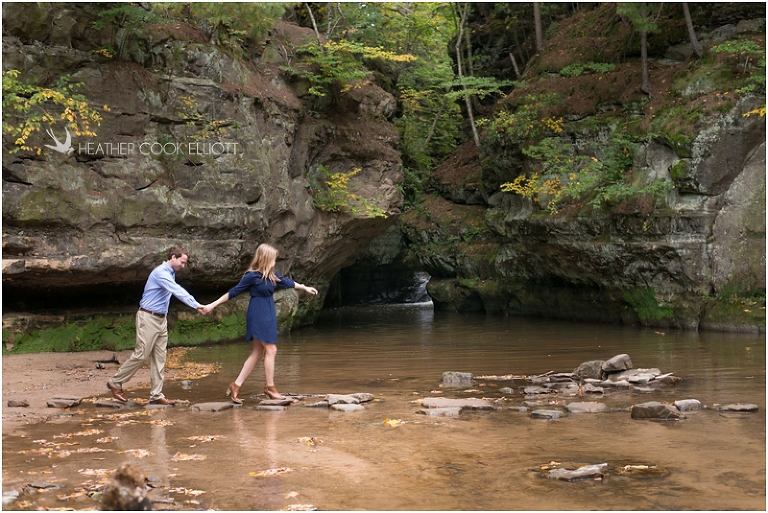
pixel 199 148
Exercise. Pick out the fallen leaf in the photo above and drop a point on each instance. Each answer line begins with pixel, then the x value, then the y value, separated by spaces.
pixel 188 457
pixel 271 472
pixel 138 453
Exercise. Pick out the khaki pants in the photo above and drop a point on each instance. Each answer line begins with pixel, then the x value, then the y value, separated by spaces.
pixel 151 343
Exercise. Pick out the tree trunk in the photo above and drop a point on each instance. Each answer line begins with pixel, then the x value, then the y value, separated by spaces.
pixel 514 65
pixel 459 65
pixel 314 23
pixel 537 22
pixel 692 33
pixel 646 85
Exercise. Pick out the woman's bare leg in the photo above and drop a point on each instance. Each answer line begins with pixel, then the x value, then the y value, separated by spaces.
pixel 270 350
pixel 256 354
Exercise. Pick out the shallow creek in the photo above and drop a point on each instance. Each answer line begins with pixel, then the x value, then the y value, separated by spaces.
pixel 388 457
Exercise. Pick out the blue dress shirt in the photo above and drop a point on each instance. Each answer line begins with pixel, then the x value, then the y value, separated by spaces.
pixel 161 284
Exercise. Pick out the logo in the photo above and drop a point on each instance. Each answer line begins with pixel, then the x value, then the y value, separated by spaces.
pixel 64 148
pixel 146 148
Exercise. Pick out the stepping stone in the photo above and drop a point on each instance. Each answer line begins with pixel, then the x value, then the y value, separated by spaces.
pixel 688 405
pixel 318 404
pixel 271 407
pixel 546 414
pixel 347 407
pixel 738 407
pixel 117 405
pixel 64 401
pixel 214 406
pixel 444 402
pixel 277 402
pixel 585 472
pixel 586 407
pixel 440 412
pixel 18 403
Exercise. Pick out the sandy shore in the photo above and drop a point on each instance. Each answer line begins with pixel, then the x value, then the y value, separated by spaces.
pixel 37 378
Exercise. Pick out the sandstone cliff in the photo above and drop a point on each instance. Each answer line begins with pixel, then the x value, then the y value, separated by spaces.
pixel 199 147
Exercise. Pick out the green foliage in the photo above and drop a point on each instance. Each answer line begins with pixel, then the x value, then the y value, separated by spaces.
pixel 334 195
pixel 748 51
pixel 337 66
pixel 561 176
pixel 576 70
pixel 228 24
pixel 527 122
pixel 461 88
pixel 27 107
pixel 124 15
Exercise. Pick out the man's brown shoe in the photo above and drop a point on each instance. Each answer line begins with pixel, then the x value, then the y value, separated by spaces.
pixel 117 393
pixel 163 401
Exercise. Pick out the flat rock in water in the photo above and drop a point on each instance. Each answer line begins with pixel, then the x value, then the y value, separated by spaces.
pixel 271 407
pixel 17 403
pixel 62 403
pixel 318 404
pixel 341 399
pixel 347 407
pixel 546 414
pixel 688 404
pixel 363 397
pixel 738 407
pixel 585 472
pixel 586 407
pixel 454 378
pixel 214 406
pixel 444 402
pixel 656 411
pixel 108 403
pixel 440 412
pixel 277 402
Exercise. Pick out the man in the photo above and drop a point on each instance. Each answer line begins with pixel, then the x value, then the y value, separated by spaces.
pixel 152 327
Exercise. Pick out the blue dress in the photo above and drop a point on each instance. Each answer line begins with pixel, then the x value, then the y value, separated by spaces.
pixel 261 318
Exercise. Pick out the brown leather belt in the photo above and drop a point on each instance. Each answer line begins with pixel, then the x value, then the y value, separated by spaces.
pixel 151 312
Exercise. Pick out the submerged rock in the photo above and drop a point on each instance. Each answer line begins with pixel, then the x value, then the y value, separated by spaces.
pixel 453 378
pixel 655 411
pixel 586 407
pixel 546 414
pixel 347 407
pixel 469 404
pixel 738 407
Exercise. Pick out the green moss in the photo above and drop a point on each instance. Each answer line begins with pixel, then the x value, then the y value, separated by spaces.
pixel 200 330
pixel 119 333
pixel 680 170
pixel 643 301
pixel 113 334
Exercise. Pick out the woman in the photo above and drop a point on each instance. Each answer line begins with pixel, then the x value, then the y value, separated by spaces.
pixel 260 280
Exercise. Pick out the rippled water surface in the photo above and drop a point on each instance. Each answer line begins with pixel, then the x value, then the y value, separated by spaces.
pixel 711 460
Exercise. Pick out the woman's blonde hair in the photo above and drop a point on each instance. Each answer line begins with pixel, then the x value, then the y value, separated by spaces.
pixel 264 262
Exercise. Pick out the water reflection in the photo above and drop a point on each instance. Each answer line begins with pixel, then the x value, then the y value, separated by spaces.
pixel 479 461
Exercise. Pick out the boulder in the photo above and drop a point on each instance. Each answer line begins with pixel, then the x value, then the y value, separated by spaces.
pixel 619 362
pixel 591 369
